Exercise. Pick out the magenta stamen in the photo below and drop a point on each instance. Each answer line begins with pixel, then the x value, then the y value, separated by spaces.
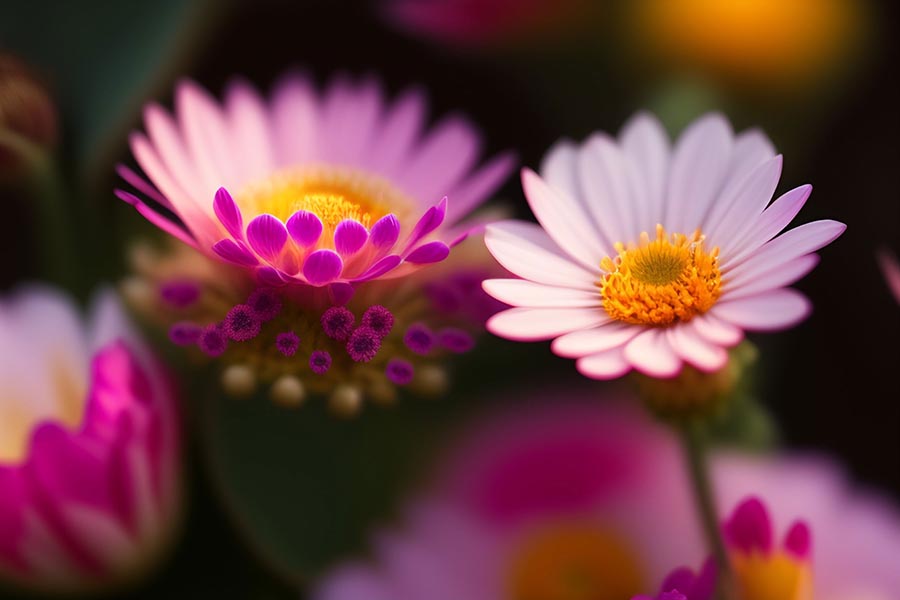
pixel 364 344
pixel 379 319
pixel 241 323
pixel 287 343
pixel 320 362
pixel 212 342
pixel 266 304
pixel 337 322
pixel 399 371
pixel 419 338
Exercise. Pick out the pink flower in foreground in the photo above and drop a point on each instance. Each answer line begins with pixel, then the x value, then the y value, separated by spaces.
pixel 309 188
pixel 595 497
pixel 648 256
pixel 89 479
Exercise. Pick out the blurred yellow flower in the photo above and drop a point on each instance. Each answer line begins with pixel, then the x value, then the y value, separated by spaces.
pixel 789 44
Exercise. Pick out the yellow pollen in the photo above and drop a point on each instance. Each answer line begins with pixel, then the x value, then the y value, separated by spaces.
pixel 776 577
pixel 669 279
pixel 574 561
pixel 332 193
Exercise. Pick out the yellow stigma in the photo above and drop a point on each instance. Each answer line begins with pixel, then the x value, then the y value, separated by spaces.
pixel 778 576
pixel 660 282
pixel 574 561
pixel 331 193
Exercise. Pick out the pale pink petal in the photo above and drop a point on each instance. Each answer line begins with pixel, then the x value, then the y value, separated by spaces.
pixel 741 210
pixel 519 292
pixel 441 159
pixel 478 186
pixel 770 223
pixel 891 270
pixel 606 365
pixel 349 118
pixel 250 132
pixel 206 135
pixel 651 354
pixel 699 166
pixel 563 219
pixel 593 341
pixel 527 251
pixel 399 131
pixel 646 146
pixel 533 324
pixel 792 244
pixel 170 148
pixel 717 331
pixel 766 312
pixel 163 222
pixel 750 279
pixel 607 193
pixel 695 349
pixel 294 121
pixel 751 148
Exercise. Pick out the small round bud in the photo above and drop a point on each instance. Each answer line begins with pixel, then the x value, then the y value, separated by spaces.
pixel 419 338
pixel 241 324
pixel 337 323
pixel 287 343
pixel 363 345
pixel 346 400
pixel 239 381
pixel 288 391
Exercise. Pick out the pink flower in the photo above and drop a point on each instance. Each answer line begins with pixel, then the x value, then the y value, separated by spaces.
pixel 596 494
pixel 891 270
pixel 648 256
pixel 309 188
pixel 89 478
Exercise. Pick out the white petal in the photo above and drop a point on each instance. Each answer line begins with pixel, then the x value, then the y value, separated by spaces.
pixel 250 132
pixel 751 148
pixel 206 136
pixel 752 278
pixel 766 312
pixel 770 223
pixel 607 194
pixel 519 292
pixel 744 207
pixel 605 365
pixel 350 116
pixel 699 166
pixel 593 341
pixel 646 146
pixel 527 251
pixel 564 220
pixel 170 146
pixel 533 324
pixel 398 133
pixel 801 240
pixel 695 349
pixel 717 331
pixel 651 354
pixel 295 113
pixel 559 168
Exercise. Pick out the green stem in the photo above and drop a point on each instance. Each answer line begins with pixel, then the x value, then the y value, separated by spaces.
pixel 698 470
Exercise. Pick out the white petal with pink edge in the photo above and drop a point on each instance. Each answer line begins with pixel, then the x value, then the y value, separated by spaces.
pixel 533 324
pixel 769 311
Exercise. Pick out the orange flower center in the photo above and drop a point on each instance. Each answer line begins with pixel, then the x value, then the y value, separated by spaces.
pixel 775 577
pixel 659 282
pixel 574 561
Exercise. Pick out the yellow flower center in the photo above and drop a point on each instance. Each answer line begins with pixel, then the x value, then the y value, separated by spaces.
pixel 331 193
pixel 574 561
pixel 776 577
pixel 659 282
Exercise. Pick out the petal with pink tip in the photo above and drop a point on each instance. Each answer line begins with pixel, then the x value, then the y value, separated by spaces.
pixel 267 236
pixel 385 232
pixel 235 252
pixel 248 123
pixel 527 251
pixel 270 276
pixel 741 210
pixel 430 221
pixel 382 267
pixel 305 228
pixel 605 365
pixel 322 266
pixel 749 282
pixel 157 219
pixel 431 252
pixel 765 312
pixel 790 245
pixel 519 292
pixel 349 237
pixel 646 145
pixel 477 187
pixel 798 540
pixel 533 324
pixel 749 528
pixel 229 214
pixel 717 331
pixel 695 349
pixel 650 353
pixel 438 163
pixel 594 341
pixel 769 224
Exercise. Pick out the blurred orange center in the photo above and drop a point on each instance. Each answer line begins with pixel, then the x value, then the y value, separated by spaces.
pixel 672 278
pixel 574 561
pixel 776 577
pixel 332 194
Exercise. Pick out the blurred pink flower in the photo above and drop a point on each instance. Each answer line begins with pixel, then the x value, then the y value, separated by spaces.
pixel 649 256
pixel 891 270
pixel 527 501
pixel 475 22
pixel 89 474
pixel 309 188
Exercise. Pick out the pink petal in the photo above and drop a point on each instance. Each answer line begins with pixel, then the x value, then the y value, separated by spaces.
pixel 382 267
pixel 519 292
pixel 385 232
pixel 594 341
pixel 559 168
pixel 234 252
pixel 695 349
pixel 349 118
pixel 157 219
pixel 606 189
pixel 760 277
pixel 527 251
pixel 399 131
pixel 766 312
pixel 267 236
pixel 750 528
pixel 770 223
pixel 470 193
pixel 741 210
pixel 349 237
pixel 249 127
pixel 294 116
pixel 431 252
pixel 144 187
pixel 717 331
pixel 206 136
pixel 441 160
pixel 563 219
pixel 229 214
pixel 651 353
pixel 533 324
pixel 430 221
pixel 322 266
pixel 891 270
pixel 790 245
pixel 605 365
pixel 305 228
pixel 646 145
pixel 171 149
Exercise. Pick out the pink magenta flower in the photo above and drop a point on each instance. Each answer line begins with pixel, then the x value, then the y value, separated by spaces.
pixel 648 256
pixel 595 495
pixel 89 448
pixel 890 268
pixel 309 188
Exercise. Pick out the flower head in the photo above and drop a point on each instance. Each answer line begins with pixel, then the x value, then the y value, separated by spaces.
pixel 650 257
pixel 310 189
pixel 89 448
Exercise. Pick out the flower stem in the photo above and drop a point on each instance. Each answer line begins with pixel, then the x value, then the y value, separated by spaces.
pixel 698 470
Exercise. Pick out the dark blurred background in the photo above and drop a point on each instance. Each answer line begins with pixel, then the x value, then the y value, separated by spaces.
pixel 832 383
